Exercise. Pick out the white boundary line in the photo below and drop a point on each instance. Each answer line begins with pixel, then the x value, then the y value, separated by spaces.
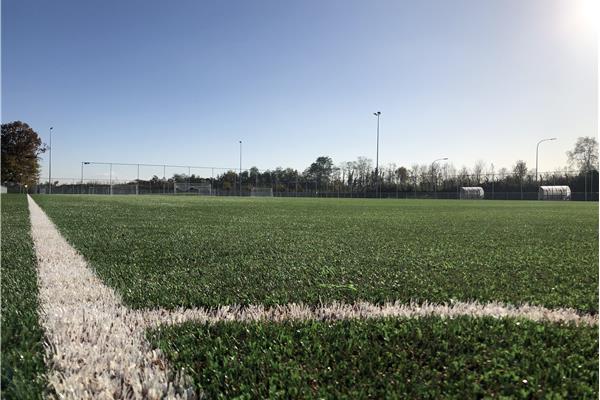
pixel 364 310
pixel 97 348
pixel 96 345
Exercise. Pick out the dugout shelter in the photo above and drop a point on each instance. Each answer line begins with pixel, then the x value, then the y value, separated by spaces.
pixel 471 193
pixel 554 193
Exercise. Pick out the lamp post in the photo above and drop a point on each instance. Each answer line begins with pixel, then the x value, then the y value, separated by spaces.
pixel 164 179
pixel 50 164
pixel 82 164
pixel 493 177
pixel 240 167
pixel 432 178
pixel 537 148
pixel 377 114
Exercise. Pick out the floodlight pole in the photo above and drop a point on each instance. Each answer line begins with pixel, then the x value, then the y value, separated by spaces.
pixel 432 178
pixel 82 164
pixel 50 164
pixel 493 177
pixel 537 148
pixel 240 167
pixel 377 189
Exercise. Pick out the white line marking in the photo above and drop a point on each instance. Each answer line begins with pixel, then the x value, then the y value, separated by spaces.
pixel 97 346
pixel 337 311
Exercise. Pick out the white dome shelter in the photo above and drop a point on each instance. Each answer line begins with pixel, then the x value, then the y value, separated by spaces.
pixel 471 193
pixel 554 193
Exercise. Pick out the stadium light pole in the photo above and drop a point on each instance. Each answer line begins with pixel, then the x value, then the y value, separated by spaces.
pixel 377 114
pixel 537 149
pixel 432 165
pixel 240 167
pixel 50 164
pixel 82 164
pixel 110 179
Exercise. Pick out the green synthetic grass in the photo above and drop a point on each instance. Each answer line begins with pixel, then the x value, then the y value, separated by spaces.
pixel 426 358
pixel 22 337
pixel 195 251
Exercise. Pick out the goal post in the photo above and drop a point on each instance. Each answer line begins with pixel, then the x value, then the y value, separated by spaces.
pixel 261 192
pixel 124 188
pixel 197 188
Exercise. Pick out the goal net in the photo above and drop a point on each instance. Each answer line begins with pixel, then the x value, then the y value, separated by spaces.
pixel 200 188
pixel 261 192
pixel 123 189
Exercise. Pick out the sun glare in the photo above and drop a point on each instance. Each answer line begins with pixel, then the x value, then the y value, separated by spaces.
pixel 587 14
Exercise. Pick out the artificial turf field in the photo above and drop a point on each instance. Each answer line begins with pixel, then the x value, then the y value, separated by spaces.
pixel 196 251
pixel 22 337
pixel 166 251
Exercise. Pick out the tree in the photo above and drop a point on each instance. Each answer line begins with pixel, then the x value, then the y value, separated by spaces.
pixel 364 167
pixel 350 170
pixel 503 173
pixel 389 174
pixel 402 175
pixel 520 169
pixel 478 170
pixel 320 170
pixel 155 180
pixel 21 148
pixel 463 176
pixel 585 154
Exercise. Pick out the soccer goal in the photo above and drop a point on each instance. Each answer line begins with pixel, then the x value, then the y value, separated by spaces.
pixel 123 188
pixel 261 192
pixel 199 188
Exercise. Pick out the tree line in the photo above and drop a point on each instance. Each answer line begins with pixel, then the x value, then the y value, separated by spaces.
pixel 22 148
pixel 361 175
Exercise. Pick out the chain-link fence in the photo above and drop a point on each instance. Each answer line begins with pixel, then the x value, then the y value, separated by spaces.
pixel 583 186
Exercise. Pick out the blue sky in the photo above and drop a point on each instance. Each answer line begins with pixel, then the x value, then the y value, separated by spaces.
pixel 180 82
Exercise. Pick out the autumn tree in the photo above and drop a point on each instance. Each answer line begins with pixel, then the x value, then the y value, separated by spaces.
pixel 21 149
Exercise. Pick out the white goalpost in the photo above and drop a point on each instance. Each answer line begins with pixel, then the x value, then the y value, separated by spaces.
pixel 198 188
pixel 261 192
